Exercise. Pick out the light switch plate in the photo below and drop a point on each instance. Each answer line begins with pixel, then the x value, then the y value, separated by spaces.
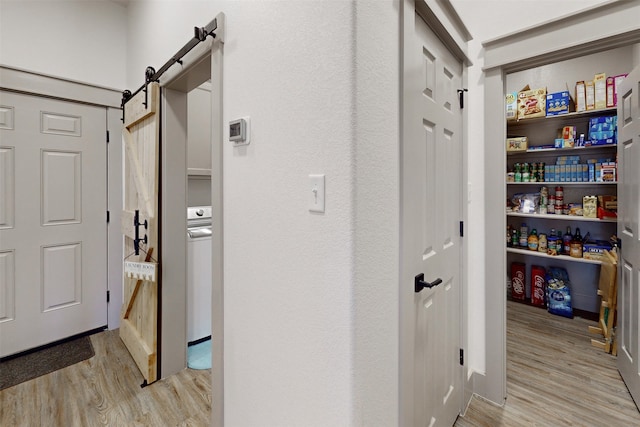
pixel 316 193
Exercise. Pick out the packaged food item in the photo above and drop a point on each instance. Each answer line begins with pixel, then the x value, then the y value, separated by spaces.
pixel 558 292
pixel 576 209
pixel 518 290
pixel 532 241
pixel 524 235
pixel 616 83
pixel 517 143
pixel 596 249
pixel 532 103
pixel 511 104
pixel 600 90
pixel 590 206
pixel 542 243
pixel 538 285
pixel 611 102
pixel 575 246
pixel 581 96
pixel 591 95
pixel 552 245
pixel 558 103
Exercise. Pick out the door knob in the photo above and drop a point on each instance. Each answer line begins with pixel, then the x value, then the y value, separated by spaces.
pixel 420 284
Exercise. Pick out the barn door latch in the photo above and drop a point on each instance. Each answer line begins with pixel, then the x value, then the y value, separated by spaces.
pixel 136 225
pixel 461 96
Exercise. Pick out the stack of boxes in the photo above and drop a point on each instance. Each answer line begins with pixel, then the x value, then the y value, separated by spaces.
pixel 569 169
pixel 596 94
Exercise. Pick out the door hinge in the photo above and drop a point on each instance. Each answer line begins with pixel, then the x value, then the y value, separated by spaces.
pixel 461 228
pixel 108 137
pixel 461 96
pixel 108 296
pixel 108 217
pixel 461 357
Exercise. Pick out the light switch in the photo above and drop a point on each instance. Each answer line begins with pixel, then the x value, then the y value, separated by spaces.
pixel 316 193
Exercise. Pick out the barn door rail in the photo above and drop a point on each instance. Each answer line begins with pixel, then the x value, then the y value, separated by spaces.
pixel 200 34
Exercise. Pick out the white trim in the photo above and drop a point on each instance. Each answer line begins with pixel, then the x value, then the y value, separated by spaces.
pixel 19 80
pixel 609 26
pixel 602 27
pixel 204 62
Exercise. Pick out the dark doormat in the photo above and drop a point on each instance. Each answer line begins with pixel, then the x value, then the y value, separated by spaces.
pixel 27 366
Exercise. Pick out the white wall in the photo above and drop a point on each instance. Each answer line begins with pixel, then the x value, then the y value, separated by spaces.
pixel 79 40
pixel 487 19
pixel 289 273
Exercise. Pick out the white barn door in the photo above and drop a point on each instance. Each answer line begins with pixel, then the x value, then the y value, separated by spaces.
pixel 53 224
pixel 629 231
pixel 432 160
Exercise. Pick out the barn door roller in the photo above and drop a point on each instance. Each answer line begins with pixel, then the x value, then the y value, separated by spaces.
pixel 200 34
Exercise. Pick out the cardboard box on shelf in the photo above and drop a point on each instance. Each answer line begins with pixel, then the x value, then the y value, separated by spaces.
pixel 602 130
pixel 517 144
pixel 616 83
pixel 595 249
pixel 591 95
pixel 611 101
pixel 581 96
pixel 559 103
pixel 532 103
pixel 511 105
pixel 600 90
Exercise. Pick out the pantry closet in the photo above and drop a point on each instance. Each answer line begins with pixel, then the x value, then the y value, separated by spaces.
pixel 554 55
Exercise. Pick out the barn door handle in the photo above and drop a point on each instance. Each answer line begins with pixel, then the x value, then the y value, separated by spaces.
pixel 420 284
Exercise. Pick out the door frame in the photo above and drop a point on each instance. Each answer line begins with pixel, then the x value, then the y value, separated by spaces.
pixel 203 62
pixel 43 85
pixel 582 33
pixel 444 21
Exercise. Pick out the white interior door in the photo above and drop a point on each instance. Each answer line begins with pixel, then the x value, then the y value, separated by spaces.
pixel 432 194
pixel 53 229
pixel 628 229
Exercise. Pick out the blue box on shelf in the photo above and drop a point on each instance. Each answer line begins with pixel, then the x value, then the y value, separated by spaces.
pixel 558 103
pixel 602 130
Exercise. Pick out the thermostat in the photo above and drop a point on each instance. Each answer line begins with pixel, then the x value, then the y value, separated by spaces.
pixel 239 131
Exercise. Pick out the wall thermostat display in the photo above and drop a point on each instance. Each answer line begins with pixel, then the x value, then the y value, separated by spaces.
pixel 239 131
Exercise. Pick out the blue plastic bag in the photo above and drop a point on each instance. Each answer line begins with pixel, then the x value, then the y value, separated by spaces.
pixel 559 292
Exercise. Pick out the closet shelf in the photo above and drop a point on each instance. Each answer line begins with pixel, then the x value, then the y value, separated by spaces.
pixel 562 217
pixel 555 257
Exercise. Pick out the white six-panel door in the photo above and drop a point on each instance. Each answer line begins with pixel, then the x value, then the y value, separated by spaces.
pixel 53 263
pixel 628 327
pixel 432 186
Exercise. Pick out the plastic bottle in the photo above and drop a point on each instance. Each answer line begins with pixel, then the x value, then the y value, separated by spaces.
pixel 524 233
pixel 533 240
pixel 566 241
pixel 576 245
pixel 542 243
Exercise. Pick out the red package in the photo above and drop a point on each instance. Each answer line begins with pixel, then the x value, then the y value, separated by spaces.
pixel 517 280
pixel 538 285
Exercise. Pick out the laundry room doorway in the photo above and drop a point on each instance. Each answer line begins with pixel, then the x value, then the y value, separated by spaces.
pixel 198 62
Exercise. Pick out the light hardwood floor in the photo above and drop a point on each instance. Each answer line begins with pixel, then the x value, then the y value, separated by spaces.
pixel 105 391
pixel 555 377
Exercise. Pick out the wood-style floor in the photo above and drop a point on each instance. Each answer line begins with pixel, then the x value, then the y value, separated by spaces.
pixel 105 391
pixel 555 377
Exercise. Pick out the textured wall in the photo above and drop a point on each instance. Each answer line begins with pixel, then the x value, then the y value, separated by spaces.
pixel 78 40
pixel 288 272
pixel 377 243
